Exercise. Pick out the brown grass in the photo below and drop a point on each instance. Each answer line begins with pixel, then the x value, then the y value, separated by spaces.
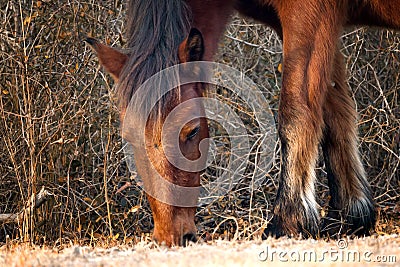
pixel 59 126
pixel 371 251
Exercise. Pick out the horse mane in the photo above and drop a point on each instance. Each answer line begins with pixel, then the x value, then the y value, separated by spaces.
pixel 154 31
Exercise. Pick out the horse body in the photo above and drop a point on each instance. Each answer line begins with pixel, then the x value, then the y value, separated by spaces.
pixel 315 104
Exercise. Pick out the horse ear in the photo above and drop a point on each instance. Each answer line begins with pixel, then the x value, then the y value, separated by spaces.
pixel 111 59
pixel 192 48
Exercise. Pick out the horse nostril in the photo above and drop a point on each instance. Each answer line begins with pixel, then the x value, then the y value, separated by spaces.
pixel 189 238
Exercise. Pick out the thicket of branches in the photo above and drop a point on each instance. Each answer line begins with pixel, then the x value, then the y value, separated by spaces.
pixel 59 127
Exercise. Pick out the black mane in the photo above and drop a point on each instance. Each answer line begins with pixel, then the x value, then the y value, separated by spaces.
pixel 154 31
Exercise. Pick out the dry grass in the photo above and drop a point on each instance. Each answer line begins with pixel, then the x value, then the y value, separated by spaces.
pixel 371 251
pixel 59 127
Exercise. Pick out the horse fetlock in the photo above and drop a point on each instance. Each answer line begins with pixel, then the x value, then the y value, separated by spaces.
pixel 357 218
pixel 293 219
pixel 361 216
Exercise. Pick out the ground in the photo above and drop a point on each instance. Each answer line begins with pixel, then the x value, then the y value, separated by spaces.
pixel 369 251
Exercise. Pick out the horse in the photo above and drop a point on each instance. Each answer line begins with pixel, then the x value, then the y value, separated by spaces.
pixel 315 106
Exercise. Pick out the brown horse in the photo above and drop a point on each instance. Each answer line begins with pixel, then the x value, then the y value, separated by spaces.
pixel 315 105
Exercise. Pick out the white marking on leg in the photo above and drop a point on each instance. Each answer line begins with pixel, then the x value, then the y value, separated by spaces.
pixel 308 197
pixel 360 208
pixel 305 191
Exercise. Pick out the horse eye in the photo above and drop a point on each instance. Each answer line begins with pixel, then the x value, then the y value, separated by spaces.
pixel 193 133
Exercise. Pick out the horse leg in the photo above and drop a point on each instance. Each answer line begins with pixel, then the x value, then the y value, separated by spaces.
pixel 351 208
pixel 309 44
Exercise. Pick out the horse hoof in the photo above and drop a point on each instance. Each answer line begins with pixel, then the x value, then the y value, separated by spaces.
pixel 276 230
pixel 336 225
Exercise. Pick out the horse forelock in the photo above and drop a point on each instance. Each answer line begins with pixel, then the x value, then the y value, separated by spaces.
pixel 154 31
